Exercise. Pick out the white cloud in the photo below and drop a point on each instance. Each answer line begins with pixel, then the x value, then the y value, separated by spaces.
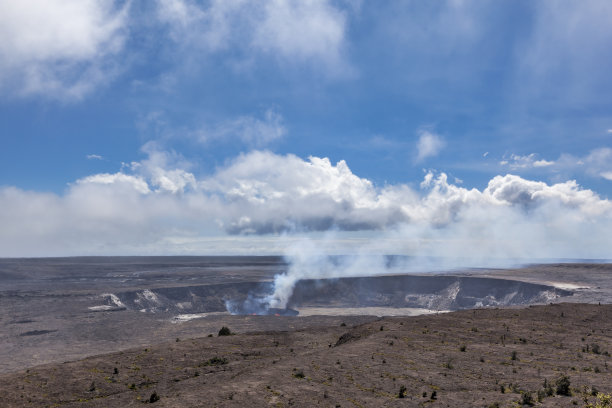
pixel 543 163
pixel 94 157
pixel 250 130
pixel 304 30
pixel 429 145
pixel 311 31
pixel 517 162
pixel 597 163
pixel 118 179
pixel 158 206
pixel 208 28
pixel 59 48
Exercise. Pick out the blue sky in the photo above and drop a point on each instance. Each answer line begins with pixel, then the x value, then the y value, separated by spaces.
pixel 205 103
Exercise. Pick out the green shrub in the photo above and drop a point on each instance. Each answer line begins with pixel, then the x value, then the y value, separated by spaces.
pixel 402 392
pixel 225 331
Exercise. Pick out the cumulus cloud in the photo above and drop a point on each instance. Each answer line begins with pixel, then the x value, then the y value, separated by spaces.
pixel 429 145
pixel 59 48
pixel 94 157
pixel 158 206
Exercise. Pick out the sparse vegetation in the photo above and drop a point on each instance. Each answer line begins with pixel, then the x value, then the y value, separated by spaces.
pixel 603 401
pixel 366 370
pixel 215 361
pixel 527 399
pixel 225 331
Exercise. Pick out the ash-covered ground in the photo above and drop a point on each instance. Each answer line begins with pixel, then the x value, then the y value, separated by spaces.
pixel 63 309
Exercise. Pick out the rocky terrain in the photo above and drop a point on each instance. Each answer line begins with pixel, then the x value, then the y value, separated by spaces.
pixel 103 332
pixel 551 356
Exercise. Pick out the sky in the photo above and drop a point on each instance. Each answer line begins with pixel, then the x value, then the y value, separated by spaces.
pixel 447 128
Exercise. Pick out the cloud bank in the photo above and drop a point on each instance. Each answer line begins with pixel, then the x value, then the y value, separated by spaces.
pixel 261 199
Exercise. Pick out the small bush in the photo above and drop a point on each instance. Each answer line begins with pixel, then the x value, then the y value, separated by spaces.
pixel 514 356
pixel 463 348
pixel 225 331
pixel 402 392
pixel 216 361
pixel 154 397
pixel 434 395
pixel 527 399
pixel 563 385
pixel 299 374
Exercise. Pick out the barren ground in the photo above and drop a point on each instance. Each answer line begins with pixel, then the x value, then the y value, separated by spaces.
pixel 465 357
pixel 58 347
